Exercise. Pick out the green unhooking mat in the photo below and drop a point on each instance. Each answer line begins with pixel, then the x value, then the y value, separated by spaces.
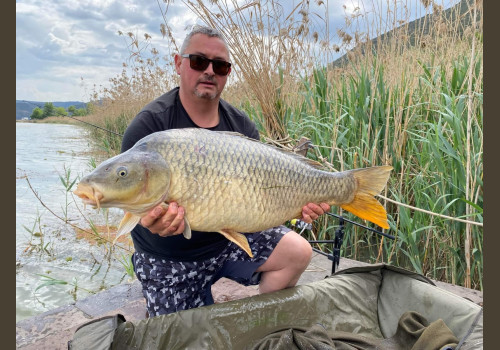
pixel 413 332
pixel 374 307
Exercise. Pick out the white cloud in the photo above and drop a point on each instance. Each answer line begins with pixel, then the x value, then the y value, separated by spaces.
pixel 179 23
pixel 353 7
pixel 73 46
pixel 58 42
pixel 60 83
pixel 43 90
pixel 23 8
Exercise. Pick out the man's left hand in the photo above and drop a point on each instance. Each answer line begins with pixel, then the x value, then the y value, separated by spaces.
pixel 312 211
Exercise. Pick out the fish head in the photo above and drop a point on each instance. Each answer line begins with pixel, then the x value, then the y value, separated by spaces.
pixel 135 181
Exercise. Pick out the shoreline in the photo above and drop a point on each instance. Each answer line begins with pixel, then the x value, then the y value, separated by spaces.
pixel 49 120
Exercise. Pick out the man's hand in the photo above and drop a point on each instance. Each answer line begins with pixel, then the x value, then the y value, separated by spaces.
pixel 163 222
pixel 312 211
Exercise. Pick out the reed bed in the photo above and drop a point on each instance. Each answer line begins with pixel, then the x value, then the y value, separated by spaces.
pixel 412 98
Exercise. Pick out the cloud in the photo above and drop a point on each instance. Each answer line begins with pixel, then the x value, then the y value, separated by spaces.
pixel 58 42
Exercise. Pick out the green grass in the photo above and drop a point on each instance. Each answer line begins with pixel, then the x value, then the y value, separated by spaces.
pixel 108 137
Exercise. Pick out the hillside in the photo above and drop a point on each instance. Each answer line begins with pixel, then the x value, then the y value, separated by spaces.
pixel 460 13
pixel 25 108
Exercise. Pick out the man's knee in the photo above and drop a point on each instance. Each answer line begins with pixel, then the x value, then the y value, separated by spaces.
pixel 299 248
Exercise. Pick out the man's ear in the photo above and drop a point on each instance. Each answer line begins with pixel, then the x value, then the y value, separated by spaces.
pixel 178 61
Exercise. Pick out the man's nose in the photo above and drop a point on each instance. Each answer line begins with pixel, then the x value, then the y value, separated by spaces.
pixel 209 69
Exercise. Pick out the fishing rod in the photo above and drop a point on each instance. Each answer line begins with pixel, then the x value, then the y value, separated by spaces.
pixel 363 226
pixel 339 237
pixel 96 126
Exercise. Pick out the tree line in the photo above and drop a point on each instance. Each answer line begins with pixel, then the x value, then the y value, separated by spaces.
pixel 49 110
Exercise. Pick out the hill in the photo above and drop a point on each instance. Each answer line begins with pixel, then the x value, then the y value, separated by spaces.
pixel 461 13
pixel 25 108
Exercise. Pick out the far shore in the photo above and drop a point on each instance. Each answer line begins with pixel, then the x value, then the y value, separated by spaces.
pixel 49 120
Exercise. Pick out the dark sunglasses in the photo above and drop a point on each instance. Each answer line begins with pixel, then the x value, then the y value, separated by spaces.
pixel 200 63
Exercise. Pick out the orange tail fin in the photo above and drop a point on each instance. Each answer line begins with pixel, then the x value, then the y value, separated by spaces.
pixel 371 181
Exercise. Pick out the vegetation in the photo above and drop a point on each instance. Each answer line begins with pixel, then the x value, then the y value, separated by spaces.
pixel 60 111
pixel 412 99
pixel 78 112
pixel 49 110
pixel 37 113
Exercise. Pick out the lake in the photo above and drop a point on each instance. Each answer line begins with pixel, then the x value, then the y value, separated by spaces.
pixel 45 245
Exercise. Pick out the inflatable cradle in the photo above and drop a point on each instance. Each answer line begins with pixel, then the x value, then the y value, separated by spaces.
pixel 373 307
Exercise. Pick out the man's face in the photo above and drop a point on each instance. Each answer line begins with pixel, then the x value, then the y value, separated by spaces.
pixel 206 84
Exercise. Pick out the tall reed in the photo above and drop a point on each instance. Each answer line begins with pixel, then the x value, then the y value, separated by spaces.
pixel 421 131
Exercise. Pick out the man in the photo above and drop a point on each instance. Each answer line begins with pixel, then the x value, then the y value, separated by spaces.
pixel 176 273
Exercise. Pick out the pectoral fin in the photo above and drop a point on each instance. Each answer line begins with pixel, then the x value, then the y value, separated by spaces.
pixel 187 229
pixel 127 224
pixel 239 239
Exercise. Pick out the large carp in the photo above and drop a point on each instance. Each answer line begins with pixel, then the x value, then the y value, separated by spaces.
pixel 227 183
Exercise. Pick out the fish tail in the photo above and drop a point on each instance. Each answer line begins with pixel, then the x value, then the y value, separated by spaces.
pixel 371 181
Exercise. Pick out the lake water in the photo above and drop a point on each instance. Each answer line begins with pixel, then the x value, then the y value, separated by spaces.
pixel 43 152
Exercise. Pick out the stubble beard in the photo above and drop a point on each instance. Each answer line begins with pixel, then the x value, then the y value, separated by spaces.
pixel 207 95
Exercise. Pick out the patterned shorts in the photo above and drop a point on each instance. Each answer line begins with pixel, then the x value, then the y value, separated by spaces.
pixel 171 286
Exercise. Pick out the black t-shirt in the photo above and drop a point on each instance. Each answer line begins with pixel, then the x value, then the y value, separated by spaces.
pixel 167 112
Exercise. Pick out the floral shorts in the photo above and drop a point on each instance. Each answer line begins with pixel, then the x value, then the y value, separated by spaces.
pixel 171 286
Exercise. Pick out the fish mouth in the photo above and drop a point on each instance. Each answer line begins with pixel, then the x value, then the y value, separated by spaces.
pixel 89 195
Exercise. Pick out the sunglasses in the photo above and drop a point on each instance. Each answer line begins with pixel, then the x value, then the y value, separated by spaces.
pixel 200 63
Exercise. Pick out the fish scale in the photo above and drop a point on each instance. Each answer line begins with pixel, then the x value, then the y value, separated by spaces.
pixel 227 183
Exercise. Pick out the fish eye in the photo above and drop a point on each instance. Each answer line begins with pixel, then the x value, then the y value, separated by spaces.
pixel 121 171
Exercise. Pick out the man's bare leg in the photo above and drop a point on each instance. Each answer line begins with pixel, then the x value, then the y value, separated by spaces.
pixel 286 263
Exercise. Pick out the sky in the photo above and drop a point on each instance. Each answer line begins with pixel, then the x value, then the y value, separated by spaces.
pixel 65 47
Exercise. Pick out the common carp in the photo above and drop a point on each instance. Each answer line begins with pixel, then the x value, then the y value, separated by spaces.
pixel 227 183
